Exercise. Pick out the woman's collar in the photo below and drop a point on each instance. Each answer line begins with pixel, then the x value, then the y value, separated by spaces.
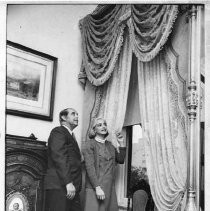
pixel 100 140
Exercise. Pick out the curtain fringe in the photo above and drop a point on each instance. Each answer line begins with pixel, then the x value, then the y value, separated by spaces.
pixel 125 19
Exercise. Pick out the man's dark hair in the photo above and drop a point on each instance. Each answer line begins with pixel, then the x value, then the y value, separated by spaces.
pixel 64 112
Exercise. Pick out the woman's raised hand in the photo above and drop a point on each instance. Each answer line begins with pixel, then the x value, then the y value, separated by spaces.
pixel 120 139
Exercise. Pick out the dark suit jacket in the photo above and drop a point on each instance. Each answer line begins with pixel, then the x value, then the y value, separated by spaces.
pixel 64 160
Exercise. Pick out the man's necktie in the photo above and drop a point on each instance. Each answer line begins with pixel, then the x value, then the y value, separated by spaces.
pixel 77 146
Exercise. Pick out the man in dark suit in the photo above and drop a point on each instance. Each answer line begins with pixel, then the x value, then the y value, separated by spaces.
pixel 63 180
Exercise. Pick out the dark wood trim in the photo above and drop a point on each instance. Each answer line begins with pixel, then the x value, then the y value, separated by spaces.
pixel 129 135
pixel 30 50
pixel 25 168
pixel 26 142
pixel 202 78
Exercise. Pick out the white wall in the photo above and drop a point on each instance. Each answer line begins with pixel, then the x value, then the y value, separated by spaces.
pixel 52 29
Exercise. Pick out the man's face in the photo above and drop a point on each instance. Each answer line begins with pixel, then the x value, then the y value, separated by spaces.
pixel 72 118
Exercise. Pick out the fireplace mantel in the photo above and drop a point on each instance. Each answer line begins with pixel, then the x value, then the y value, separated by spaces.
pixel 25 170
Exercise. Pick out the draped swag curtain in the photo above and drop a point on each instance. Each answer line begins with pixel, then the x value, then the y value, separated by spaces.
pixel 103 30
pixel 112 96
pixel 109 37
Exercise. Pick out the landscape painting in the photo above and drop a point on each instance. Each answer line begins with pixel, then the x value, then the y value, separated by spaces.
pixel 30 82
pixel 23 81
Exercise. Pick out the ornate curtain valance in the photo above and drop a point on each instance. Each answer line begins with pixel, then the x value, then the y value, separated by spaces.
pixel 103 33
pixel 150 26
pixel 102 38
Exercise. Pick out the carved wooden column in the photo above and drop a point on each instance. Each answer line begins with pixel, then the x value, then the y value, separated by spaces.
pixel 25 169
pixel 193 105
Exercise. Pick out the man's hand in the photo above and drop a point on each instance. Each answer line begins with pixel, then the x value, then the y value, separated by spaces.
pixel 70 189
pixel 100 193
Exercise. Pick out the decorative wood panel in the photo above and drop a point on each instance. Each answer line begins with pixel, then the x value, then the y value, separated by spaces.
pixel 25 169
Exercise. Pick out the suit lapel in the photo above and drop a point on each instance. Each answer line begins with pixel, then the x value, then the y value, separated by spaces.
pixel 75 143
pixel 73 140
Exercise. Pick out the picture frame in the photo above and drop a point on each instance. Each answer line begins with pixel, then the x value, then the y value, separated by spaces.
pixel 31 78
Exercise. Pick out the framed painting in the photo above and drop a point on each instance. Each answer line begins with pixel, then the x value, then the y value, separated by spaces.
pixel 30 87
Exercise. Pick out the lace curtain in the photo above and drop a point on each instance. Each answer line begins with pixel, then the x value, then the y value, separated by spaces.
pixel 111 98
pixel 150 26
pixel 109 37
pixel 164 124
pixel 104 29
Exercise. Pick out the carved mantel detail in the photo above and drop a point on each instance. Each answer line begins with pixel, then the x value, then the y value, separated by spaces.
pixel 25 170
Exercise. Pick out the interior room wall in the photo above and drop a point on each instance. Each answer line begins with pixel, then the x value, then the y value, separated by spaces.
pixel 54 30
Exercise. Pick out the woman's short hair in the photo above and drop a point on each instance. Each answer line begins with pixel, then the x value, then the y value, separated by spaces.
pixel 92 132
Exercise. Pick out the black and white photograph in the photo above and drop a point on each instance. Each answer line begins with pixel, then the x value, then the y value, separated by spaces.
pixel 104 105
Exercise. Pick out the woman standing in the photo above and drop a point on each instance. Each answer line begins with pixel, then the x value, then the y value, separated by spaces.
pixel 100 161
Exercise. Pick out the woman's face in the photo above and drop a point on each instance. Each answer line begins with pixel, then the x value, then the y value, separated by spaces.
pixel 101 127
